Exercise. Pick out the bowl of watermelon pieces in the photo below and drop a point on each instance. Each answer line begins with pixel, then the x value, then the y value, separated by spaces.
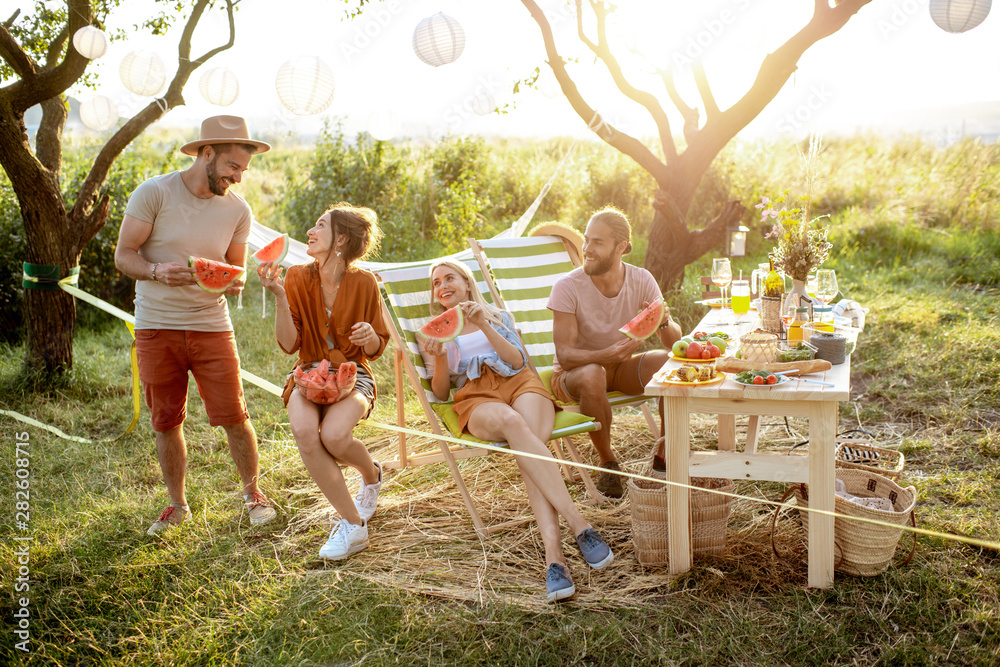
pixel 324 384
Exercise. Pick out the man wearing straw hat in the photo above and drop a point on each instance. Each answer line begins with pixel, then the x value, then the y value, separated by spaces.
pixel 179 327
pixel 589 305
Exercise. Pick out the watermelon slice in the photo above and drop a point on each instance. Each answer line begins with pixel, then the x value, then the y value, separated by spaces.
pixel 445 326
pixel 645 323
pixel 214 276
pixel 274 251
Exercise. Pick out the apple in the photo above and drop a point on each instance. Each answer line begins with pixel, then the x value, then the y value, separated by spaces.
pixel 719 343
pixel 679 348
pixel 687 339
pixel 694 351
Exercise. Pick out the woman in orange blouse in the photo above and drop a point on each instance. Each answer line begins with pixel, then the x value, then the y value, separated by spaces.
pixel 331 309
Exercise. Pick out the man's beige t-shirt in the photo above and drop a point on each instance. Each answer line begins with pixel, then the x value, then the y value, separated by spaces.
pixel 599 317
pixel 184 226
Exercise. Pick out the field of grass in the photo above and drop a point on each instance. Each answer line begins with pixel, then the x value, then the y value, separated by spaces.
pixel 915 240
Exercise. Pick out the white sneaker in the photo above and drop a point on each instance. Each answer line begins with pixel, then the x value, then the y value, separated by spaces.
pixel 367 499
pixel 345 539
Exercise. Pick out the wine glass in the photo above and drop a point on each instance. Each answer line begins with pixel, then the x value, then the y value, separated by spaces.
pixel 722 275
pixel 826 285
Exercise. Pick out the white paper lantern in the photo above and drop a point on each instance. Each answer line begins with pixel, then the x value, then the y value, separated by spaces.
pixel 99 113
pixel 383 125
pixel 90 42
pixel 305 85
pixel 438 40
pixel 484 103
pixel 143 72
pixel 219 86
pixel 959 15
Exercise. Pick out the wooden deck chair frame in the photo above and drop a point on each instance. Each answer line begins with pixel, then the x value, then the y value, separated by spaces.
pixel 402 328
pixel 521 285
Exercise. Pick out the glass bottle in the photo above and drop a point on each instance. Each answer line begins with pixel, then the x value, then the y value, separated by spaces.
pixel 774 284
pixel 823 319
pixel 800 318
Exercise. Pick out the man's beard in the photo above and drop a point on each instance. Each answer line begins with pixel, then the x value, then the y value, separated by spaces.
pixel 599 267
pixel 214 180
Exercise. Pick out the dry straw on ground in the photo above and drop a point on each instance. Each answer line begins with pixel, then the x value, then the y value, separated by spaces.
pixel 423 541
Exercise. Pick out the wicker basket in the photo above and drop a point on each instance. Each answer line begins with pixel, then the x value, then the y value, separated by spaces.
pixel 709 518
pixel 867 549
pixel 759 347
pixel 864 456
pixel 770 315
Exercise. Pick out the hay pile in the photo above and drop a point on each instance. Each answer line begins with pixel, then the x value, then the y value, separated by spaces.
pixel 423 541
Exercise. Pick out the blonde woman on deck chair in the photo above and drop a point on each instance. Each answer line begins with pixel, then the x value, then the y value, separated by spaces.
pixel 500 398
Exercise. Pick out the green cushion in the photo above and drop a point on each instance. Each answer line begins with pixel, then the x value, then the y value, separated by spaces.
pixel 567 423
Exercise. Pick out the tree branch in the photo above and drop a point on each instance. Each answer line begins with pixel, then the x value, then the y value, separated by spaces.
pixel 700 80
pixel 603 52
pixel 622 142
pixel 690 114
pixel 14 55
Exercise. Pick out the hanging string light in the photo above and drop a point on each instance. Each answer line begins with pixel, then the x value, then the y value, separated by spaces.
pixel 305 85
pixel 143 72
pixel 90 42
pixel 219 86
pixel 438 40
pixel 959 15
pixel 98 113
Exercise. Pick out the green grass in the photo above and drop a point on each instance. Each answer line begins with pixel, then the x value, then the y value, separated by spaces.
pixel 218 592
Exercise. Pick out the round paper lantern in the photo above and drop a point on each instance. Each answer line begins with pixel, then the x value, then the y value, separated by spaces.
pixel 143 72
pixel 484 103
pixel 90 42
pixel 383 125
pixel 959 15
pixel 99 113
pixel 438 40
pixel 305 85
pixel 219 86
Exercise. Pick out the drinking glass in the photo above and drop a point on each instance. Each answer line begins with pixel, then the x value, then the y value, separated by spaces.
pixel 826 285
pixel 722 275
pixel 741 298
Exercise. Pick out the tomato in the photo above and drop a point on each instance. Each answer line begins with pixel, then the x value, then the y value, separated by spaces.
pixel 706 352
pixel 700 335
pixel 772 379
pixel 758 380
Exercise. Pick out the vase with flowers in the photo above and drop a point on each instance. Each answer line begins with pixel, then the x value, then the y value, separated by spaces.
pixel 800 245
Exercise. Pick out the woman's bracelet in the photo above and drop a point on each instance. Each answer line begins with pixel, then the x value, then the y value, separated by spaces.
pixel 154 272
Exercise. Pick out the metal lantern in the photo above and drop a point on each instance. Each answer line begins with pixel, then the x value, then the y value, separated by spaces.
pixel 959 15
pixel 438 40
pixel 383 125
pixel 736 240
pixel 219 86
pixel 90 42
pixel 99 113
pixel 143 73
pixel 305 85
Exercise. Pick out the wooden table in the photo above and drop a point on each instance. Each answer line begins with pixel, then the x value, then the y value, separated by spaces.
pixel 817 403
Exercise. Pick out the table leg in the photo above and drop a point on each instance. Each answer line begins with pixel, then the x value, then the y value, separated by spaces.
pixel 822 442
pixel 677 418
pixel 727 433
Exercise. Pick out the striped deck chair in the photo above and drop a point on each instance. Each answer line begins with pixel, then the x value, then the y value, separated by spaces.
pixel 406 309
pixel 521 273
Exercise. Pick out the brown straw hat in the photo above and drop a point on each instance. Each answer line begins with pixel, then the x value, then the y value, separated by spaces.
pixel 224 130
pixel 561 230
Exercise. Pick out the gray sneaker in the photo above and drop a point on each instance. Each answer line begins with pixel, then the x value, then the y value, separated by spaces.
pixel 367 499
pixel 558 585
pixel 172 516
pixel 594 549
pixel 609 483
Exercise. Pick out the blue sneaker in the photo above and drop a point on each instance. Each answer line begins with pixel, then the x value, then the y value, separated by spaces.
pixel 594 549
pixel 558 585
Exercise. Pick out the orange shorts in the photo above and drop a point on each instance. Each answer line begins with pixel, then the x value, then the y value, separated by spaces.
pixel 492 388
pixel 625 377
pixel 166 356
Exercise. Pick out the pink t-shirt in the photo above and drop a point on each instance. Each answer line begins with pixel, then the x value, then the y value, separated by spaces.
pixel 599 317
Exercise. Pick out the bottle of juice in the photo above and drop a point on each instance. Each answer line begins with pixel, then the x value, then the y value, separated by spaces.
pixel 823 319
pixel 800 318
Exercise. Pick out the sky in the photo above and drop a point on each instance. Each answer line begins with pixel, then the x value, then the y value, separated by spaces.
pixel 889 63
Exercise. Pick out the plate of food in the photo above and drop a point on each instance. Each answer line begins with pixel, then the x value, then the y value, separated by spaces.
pixel 689 376
pixel 760 379
pixel 712 303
